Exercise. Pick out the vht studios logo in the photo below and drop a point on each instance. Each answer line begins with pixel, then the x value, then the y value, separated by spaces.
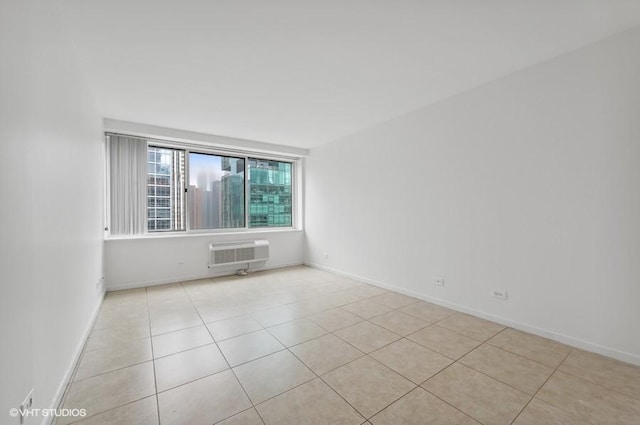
pixel 24 413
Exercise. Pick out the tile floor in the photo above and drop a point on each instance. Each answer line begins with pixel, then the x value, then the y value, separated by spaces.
pixel 302 346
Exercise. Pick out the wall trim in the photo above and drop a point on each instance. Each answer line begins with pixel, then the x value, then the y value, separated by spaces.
pixel 66 380
pixel 185 278
pixel 565 339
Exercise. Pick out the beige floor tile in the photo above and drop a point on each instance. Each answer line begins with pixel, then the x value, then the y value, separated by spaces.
pixel 368 385
pixel 185 339
pixel 610 373
pixel 164 291
pixel 483 398
pixel 411 360
pixel 325 353
pixel 312 305
pixel 97 362
pixel 235 326
pixel 205 301
pixel 295 303
pixel 171 304
pixel 589 401
pixel 367 337
pixel 211 296
pixel 366 309
pixel 127 295
pixel 104 392
pixel 130 310
pixel 540 413
pixel 366 291
pixel 399 322
pixel 533 347
pixel 176 321
pixel 523 374
pixel 123 317
pixel 313 403
pixel 444 341
pixel 118 336
pixel 343 297
pixel 292 333
pixel 427 311
pixel 203 402
pixel 244 348
pixel 248 417
pixel 187 366
pixel 394 300
pixel 421 408
pixel 216 313
pixel 141 412
pixel 471 326
pixel 275 316
pixel 335 319
pixel 271 375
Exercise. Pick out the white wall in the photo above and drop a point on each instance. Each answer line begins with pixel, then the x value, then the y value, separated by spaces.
pixel 153 260
pixel 50 206
pixel 529 184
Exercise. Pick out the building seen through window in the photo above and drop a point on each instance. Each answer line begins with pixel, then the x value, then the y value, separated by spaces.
pixel 215 198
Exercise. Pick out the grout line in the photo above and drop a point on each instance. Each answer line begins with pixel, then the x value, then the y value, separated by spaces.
pixel 521 356
pixel 75 370
pixel 439 397
pixel 493 377
pixel 637 398
pixel 114 370
pixel 155 378
pixel 329 386
pixel 229 369
pixel 351 361
pixel 570 349
pixel 542 386
pixel 319 377
pixel 446 402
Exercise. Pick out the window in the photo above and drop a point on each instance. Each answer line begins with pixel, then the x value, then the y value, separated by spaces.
pixel 216 191
pixel 270 203
pixel 194 190
pixel 165 189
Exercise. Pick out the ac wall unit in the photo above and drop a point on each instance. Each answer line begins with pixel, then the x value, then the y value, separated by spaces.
pixel 239 252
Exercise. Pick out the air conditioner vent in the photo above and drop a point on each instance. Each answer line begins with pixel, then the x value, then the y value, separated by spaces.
pixel 224 256
pixel 244 254
pixel 241 252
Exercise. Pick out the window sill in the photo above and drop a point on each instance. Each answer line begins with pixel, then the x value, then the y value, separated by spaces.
pixel 247 233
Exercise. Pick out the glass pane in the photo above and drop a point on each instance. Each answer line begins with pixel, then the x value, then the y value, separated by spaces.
pixel 165 189
pixel 216 191
pixel 270 195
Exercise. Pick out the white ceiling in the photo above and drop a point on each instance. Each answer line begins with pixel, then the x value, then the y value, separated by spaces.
pixel 304 73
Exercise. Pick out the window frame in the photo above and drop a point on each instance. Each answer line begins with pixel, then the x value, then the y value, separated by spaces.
pixel 246 155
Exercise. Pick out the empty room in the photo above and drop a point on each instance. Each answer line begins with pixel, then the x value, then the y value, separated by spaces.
pixel 320 212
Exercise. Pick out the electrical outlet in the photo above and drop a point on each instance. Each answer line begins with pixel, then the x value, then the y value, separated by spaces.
pixel 26 405
pixel 438 281
pixel 499 293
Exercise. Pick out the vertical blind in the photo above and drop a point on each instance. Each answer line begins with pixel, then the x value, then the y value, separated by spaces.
pixel 127 182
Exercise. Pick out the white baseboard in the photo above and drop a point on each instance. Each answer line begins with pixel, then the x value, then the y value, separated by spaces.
pixel 565 339
pixel 185 278
pixel 66 381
